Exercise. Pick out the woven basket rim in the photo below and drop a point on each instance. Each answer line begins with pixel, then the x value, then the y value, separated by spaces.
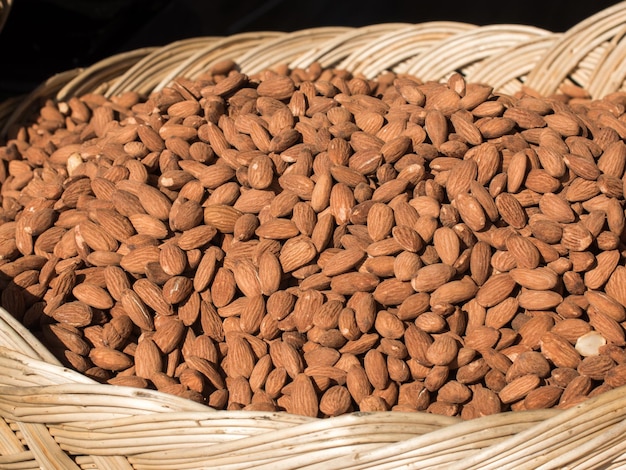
pixel 138 411
pixel 125 407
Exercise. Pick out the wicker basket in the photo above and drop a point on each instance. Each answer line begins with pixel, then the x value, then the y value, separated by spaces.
pixel 54 418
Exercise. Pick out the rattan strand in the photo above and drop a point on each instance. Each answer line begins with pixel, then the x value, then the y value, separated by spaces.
pixel 397 47
pixel 221 49
pixel 286 48
pixel 610 73
pixel 461 50
pixel 561 59
pixel 16 338
pixel 332 51
pixel 505 70
pixel 147 72
pixel 101 73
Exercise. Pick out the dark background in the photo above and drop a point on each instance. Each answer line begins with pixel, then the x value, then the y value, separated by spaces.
pixel 43 37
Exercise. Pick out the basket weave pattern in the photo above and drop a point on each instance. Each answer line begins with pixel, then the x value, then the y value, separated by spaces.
pixel 54 418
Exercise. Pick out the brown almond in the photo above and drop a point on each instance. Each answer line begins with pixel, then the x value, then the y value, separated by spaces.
pixel 559 351
pixel 497 288
pixel 519 388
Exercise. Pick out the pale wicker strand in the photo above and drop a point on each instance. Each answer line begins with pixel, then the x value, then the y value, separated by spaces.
pixel 331 52
pixel 566 442
pixel 611 73
pixel 102 462
pixel 451 454
pixel 440 453
pixel 107 402
pixel 290 456
pixel 614 464
pixel 506 70
pixel 612 441
pixel 300 435
pixel 11 361
pixel 478 429
pixel 577 42
pixel 224 48
pixel 355 431
pixel 157 421
pixel 101 73
pixel 157 66
pixel 157 441
pixel 565 446
pixel 296 456
pixel 10 369
pixel 397 46
pixel 402 54
pixel 604 455
pixel 147 72
pixel 430 462
pixel 207 427
pixel 16 336
pixel 230 53
pixel 29 371
pixel 110 463
pixel 314 460
pixel 564 422
pixel 9 443
pixel 445 453
pixel 286 48
pixel 237 423
pixel 19 461
pixel 330 428
pixel 213 57
pixel 585 69
pixel 45 450
pixel 362 37
pixel 463 49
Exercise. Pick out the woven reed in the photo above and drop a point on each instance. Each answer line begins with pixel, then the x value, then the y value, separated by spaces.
pixel 54 418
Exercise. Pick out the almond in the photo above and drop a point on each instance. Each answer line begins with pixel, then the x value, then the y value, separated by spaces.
pixel 148 360
pixel 442 351
pixel 519 388
pixel 559 351
pixel 110 359
pixel 497 288
pixel 304 399
pixel 543 397
pixel 471 211
pixel 93 295
pixel 430 277
pixel 75 313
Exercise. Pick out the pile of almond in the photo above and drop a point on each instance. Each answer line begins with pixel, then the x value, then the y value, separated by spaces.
pixel 314 242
